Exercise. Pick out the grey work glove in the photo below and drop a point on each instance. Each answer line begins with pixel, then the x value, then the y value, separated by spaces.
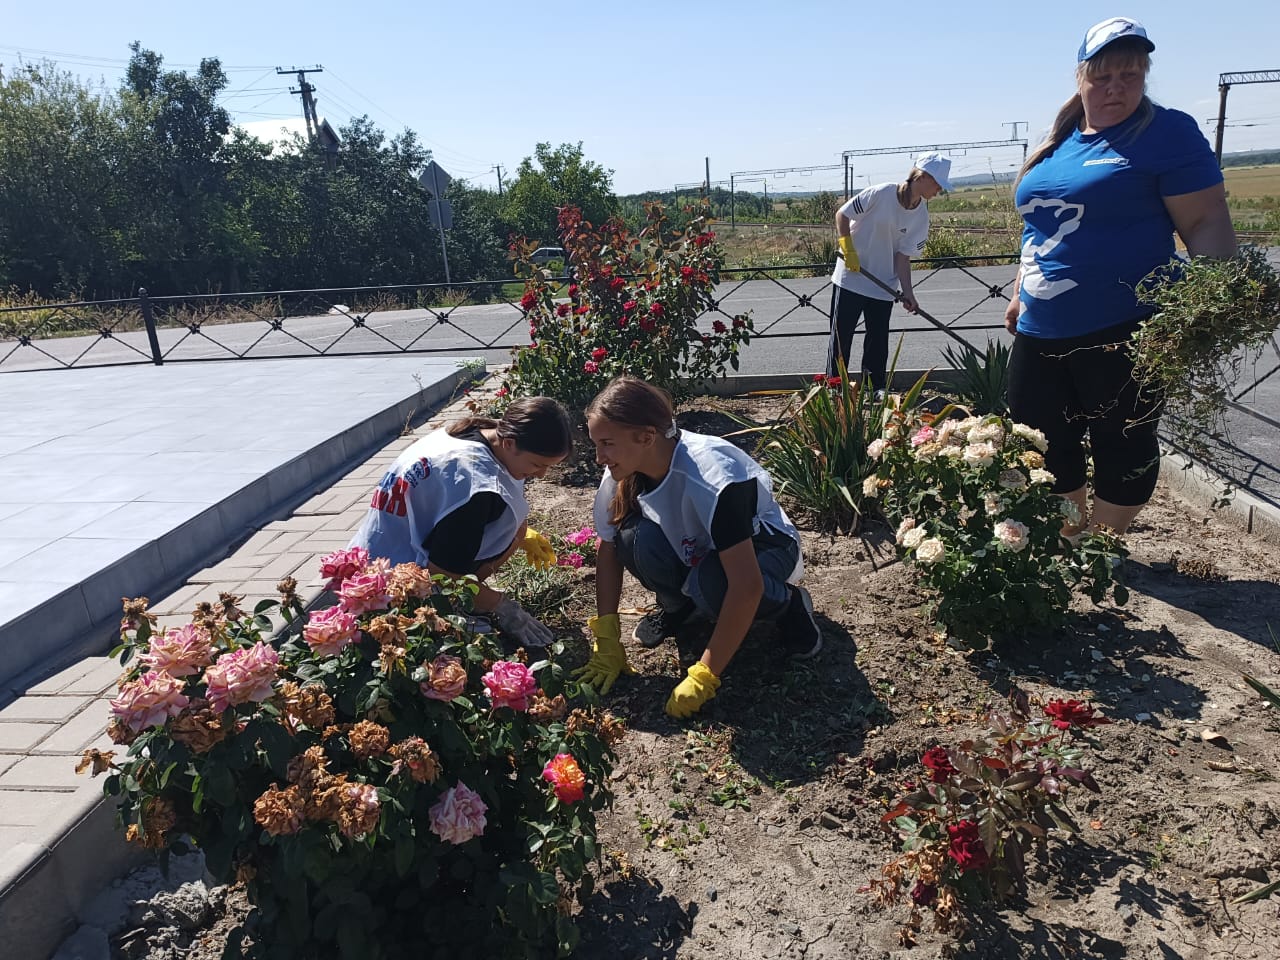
pixel 513 619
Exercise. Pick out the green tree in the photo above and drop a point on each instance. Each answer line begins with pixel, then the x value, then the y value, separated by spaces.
pixel 562 177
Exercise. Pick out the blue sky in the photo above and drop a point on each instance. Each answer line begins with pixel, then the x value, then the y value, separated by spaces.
pixel 652 88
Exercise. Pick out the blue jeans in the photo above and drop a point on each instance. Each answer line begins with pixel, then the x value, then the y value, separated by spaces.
pixel 647 556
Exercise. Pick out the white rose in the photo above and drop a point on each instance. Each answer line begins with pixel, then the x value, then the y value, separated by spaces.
pixel 1042 476
pixel 876 448
pixel 869 486
pixel 1031 435
pixel 903 527
pixel 988 432
pixel 1070 512
pixel 979 454
pixel 994 504
pixel 913 537
pixel 946 432
pixel 967 424
pixel 1012 535
pixel 930 551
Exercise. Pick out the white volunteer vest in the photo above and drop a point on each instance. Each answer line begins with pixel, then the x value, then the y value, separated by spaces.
pixel 684 504
pixel 427 482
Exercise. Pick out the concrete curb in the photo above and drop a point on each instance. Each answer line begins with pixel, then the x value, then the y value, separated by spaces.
pixel 82 621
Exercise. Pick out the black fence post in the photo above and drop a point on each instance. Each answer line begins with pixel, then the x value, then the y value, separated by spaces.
pixel 148 318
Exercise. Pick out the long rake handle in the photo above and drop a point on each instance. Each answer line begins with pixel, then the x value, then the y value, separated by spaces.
pixel 924 313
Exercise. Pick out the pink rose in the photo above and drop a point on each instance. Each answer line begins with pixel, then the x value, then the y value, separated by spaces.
pixel 458 815
pixel 591 366
pixel 446 678
pixel 180 652
pixel 149 701
pixel 510 684
pixel 922 436
pixel 337 566
pixel 573 559
pixel 330 631
pixel 246 675
pixel 366 591
pixel 1012 535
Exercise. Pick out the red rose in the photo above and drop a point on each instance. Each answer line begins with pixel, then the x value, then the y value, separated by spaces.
pixel 502 392
pixel 591 366
pixel 647 325
pixel 1073 713
pixel 617 283
pixel 573 289
pixel 819 378
pixel 657 309
pixel 630 305
pixel 833 382
pixel 937 761
pixel 738 322
pixel 582 310
pixel 966 848
pixel 562 310
pixel 686 272
pixel 599 353
pixel 528 300
pixel 718 326
pixel 923 894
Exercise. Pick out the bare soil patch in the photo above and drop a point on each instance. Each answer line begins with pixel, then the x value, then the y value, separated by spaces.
pixel 750 832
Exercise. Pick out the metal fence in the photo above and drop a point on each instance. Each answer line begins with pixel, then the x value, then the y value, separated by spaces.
pixel 405 318
pixel 789 305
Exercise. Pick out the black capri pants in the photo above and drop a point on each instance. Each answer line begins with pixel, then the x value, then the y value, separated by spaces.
pixel 1076 386
pixel 846 309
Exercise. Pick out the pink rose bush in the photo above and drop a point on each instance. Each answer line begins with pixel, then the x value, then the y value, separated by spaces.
pixel 247 675
pixel 331 631
pixel 458 815
pixel 346 753
pixel 510 684
pixel 181 651
pixel 976 515
pixel 149 701
pixel 581 545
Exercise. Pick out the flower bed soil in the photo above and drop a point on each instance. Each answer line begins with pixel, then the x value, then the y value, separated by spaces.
pixel 752 831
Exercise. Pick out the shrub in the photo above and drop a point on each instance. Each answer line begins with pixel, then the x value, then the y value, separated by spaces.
pixel 983 383
pixel 633 307
pixel 966 833
pixel 816 452
pixel 976 516
pixel 384 782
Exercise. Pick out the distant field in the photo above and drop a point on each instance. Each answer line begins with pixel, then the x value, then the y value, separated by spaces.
pixel 1253 183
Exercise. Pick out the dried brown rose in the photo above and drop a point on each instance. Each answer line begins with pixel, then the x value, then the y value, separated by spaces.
pixel 369 739
pixel 280 812
pixel 198 727
pixel 231 606
pixel 310 705
pixel 99 760
pixel 418 758
pixel 544 710
pixel 408 580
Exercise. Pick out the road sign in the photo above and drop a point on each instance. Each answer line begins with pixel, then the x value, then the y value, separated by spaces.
pixel 435 180
pixel 441 214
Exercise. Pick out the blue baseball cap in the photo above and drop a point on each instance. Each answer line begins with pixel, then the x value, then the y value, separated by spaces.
pixel 1101 34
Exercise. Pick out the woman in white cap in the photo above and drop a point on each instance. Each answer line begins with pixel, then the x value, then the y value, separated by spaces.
pixel 1101 199
pixel 453 502
pixel 879 230
pixel 693 519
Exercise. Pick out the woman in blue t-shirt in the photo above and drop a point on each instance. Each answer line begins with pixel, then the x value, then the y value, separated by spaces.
pixel 1101 199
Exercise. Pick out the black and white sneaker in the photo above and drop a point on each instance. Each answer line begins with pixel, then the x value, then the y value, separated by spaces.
pixel 660 625
pixel 797 628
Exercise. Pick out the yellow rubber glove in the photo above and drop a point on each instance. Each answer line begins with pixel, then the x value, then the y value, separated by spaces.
pixel 538 549
pixel 850 254
pixel 608 658
pixel 693 691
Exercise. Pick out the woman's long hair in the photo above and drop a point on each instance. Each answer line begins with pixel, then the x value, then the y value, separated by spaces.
pixel 630 402
pixel 537 425
pixel 1119 55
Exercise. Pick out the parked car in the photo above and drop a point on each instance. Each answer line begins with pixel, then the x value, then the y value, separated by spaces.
pixel 545 255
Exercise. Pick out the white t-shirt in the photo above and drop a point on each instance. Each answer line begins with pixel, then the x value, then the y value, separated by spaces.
pixel 881 227
pixel 684 503
pixel 428 481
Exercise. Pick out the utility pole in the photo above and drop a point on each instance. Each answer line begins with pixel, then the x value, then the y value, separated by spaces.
pixel 308 101
pixel 707 189
pixel 1225 80
pixel 1014 134
pixel 498 168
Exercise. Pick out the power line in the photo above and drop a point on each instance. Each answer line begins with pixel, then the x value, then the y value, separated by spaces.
pixel 96 61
